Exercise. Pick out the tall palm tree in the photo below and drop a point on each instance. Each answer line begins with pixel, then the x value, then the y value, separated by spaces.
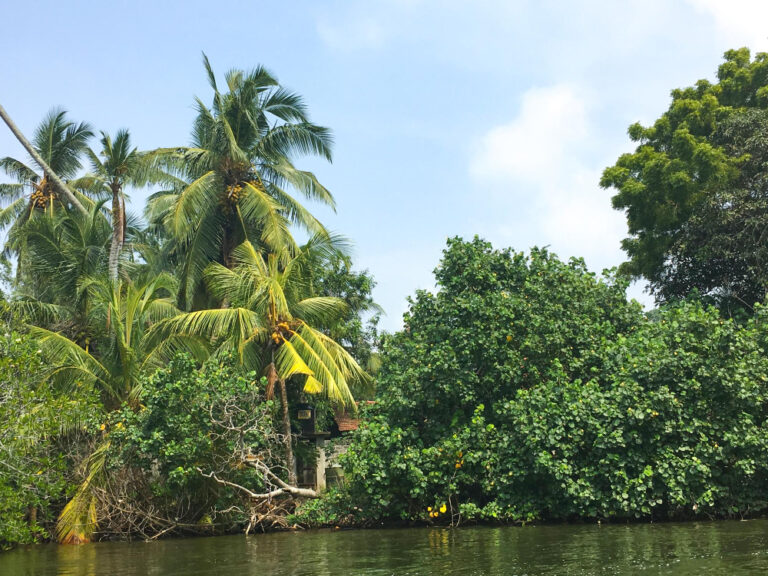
pixel 60 144
pixel 115 167
pixel 239 171
pixel 273 321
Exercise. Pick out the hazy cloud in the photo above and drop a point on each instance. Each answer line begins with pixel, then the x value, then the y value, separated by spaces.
pixel 740 22
pixel 537 163
pixel 551 121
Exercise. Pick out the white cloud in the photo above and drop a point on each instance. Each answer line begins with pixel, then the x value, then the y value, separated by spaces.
pixel 551 120
pixel 538 186
pixel 740 22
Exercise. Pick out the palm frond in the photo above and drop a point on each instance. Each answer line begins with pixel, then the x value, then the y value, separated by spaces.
pixel 70 363
pixel 320 310
pixel 196 200
pixel 303 138
pixel 78 521
pixel 11 191
pixel 17 170
pixel 237 323
pixel 262 212
pixel 332 367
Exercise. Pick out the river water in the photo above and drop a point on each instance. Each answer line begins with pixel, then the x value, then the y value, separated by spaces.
pixel 731 548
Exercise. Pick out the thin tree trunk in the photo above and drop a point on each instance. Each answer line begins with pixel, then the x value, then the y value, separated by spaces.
pixel 287 433
pixel 58 182
pixel 271 380
pixel 118 232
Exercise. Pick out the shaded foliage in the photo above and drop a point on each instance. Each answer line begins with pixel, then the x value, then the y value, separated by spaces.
pixel 696 180
pixel 43 438
pixel 161 445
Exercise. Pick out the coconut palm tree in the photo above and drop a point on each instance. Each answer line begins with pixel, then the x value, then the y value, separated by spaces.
pixel 56 254
pixel 273 322
pixel 115 167
pixel 60 145
pixel 239 171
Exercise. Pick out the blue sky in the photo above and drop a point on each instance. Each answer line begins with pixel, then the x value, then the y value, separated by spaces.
pixel 450 118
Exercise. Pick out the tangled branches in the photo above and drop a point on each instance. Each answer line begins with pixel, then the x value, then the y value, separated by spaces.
pixel 202 454
pixel 267 503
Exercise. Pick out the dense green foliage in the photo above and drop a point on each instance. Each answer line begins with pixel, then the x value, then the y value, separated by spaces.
pixel 182 425
pixel 694 191
pixel 721 251
pixel 101 295
pixel 41 439
pixel 527 389
pixel 148 389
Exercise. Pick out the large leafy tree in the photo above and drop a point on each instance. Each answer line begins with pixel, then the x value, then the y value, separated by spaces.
pixel 239 173
pixel 60 144
pixel 273 322
pixel 690 164
pixel 501 321
pixel 722 251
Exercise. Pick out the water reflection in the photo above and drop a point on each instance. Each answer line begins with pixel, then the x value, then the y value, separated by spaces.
pixel 731 548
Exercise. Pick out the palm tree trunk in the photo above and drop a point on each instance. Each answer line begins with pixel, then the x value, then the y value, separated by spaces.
pixel 118 232
pixel 60 186
pixel 289 462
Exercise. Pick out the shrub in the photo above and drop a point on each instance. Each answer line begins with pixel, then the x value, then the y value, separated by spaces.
pixel 526 389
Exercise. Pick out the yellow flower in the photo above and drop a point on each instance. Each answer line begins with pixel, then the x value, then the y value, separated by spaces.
pixel 119 425
pixel 443 508
pixel 429 508
pixel 102 427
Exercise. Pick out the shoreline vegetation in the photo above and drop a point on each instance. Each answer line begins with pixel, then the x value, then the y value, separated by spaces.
pixel 157 373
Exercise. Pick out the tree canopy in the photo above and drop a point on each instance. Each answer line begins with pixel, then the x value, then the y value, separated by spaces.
pixel 693 190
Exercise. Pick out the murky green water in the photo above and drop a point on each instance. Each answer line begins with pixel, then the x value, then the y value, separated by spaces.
pixel 731 548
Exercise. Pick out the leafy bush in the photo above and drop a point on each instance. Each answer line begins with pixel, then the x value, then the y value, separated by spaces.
pixel 41 439
pixel 527 389
pixel 184 427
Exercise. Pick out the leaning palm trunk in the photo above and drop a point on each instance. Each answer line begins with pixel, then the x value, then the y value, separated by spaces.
pixel 58 183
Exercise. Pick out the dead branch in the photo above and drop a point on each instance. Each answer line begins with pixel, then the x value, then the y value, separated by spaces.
pixel 284 488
